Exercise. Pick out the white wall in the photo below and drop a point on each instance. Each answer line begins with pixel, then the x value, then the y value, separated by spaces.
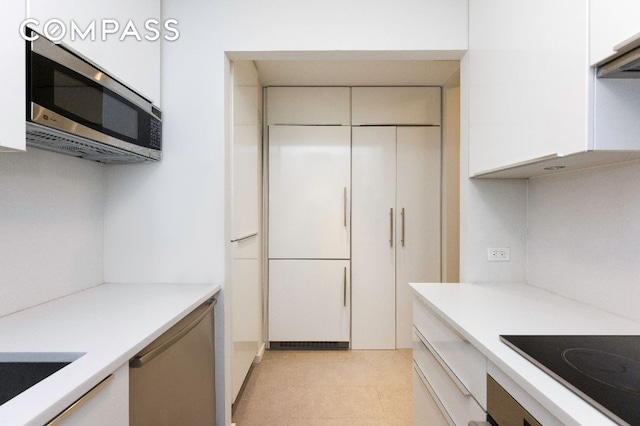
pixel 51 227
pixel 584 236
pixel 493 213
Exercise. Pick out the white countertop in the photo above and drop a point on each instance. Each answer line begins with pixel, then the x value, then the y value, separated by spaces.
pixel 482 312
pixel 110 323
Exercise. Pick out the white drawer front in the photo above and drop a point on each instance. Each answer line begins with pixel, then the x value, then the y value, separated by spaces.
pixel 462 359
pixel 427 410
pixel 457 401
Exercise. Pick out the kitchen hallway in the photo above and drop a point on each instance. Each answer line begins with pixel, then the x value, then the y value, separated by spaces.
pixel 355 387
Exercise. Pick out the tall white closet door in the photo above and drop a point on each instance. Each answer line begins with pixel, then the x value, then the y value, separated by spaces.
pixel 309 300
pixel 373 257
pixel 309 192
pixel 418 202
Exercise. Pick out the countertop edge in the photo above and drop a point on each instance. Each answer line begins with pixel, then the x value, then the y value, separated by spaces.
pixel 16 412
pixel 514 365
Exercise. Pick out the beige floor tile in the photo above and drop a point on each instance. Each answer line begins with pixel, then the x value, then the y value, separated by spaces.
pixel 400 409
pixel 322 402
pixel 317 388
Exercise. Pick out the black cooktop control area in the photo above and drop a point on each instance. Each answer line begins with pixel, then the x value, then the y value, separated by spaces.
pixel 603 370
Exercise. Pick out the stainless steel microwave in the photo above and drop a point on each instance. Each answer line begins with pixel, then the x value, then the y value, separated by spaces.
pixel 76 108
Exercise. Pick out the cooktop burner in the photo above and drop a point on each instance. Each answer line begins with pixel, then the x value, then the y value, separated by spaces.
pixel 617 371
pixel 603 370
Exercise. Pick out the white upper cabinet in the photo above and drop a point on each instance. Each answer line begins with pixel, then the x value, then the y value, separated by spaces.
pixel 610 23
pixel 134 62
pixel 528 81
pixel 535 105
pixel 12 74
pixel 309 105
pixel 396 106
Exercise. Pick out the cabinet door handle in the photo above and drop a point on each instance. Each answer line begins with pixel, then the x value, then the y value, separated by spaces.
pixel 345 206
pixel 344 288
pixel 391 227
pixel 402 238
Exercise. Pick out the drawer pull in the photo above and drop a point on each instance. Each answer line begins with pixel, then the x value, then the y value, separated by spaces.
pixel 58 420
pixel 450 373
pixel 435 396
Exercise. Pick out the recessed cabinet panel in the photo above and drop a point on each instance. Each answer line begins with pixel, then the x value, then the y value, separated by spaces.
pixel 309 300
pixel 373 256
pixel 396 106
pixel 309 192
pixel 309 105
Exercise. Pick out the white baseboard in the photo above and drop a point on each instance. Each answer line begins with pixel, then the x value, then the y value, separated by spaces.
pixel 260 354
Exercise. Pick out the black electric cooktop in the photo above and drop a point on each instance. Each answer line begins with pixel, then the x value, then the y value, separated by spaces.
pixel 603 370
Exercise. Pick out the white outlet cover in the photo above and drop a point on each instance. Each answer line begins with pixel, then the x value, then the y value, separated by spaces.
pixel 498 254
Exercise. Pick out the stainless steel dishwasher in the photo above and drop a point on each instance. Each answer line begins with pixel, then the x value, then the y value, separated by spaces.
pixel 171 381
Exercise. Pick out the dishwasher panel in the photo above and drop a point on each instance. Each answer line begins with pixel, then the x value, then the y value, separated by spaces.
pixel 171 381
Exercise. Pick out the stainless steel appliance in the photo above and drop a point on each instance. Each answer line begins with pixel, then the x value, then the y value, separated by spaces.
pixel 171 381
pixel 503 410
pixel 603 370
pixel 74 107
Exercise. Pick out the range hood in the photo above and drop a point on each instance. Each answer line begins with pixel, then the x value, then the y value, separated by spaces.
pixel 625 63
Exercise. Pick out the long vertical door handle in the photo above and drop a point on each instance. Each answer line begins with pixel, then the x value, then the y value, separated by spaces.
pixel 391 227
pixel 344 288
pixel 345 206
pixel 402 238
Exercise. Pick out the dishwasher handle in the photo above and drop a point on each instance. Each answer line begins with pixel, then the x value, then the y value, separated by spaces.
pixel 152 351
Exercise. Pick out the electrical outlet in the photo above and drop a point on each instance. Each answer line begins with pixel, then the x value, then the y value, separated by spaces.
pixel 498 254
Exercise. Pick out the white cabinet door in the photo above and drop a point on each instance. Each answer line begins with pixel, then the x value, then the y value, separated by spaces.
pixel 529 81
pixel 309 192
pixel 309 105
pixel 396 106
pixel 246 184
pixel 373 237
pixel 12 74
pixel 309 300
pixel 418 219
pixel 396 229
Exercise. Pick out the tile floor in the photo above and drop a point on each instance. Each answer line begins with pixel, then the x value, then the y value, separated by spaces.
pixel 318 388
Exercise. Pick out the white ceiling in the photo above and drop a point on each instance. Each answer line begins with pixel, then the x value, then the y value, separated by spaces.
pixel 355 72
